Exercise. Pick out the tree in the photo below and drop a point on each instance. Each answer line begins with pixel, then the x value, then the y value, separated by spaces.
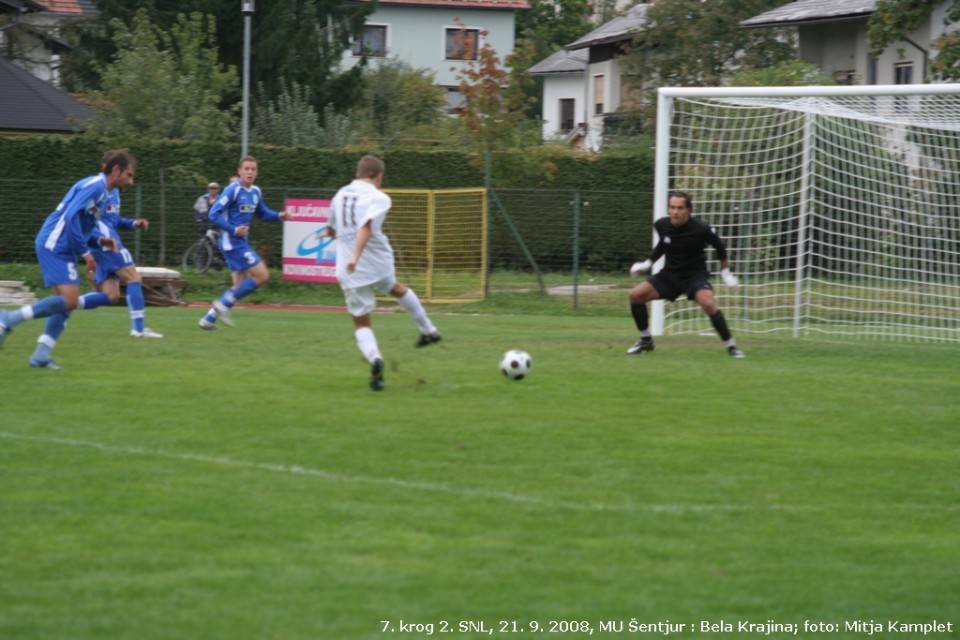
pixel 398 98
pixel 494 98
pixel 696 43
pixel 164 84
pixel 894 19
pixel 784 74
pixel 301 41
pixel 547 27
pixel 289 120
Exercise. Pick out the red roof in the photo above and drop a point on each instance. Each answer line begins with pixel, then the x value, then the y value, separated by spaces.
pixel 461 4
pixel 67 6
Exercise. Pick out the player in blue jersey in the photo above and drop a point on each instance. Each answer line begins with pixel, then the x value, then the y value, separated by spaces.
pixel 232 214
pixel 683 240
pixel 69 232
pixel 116 266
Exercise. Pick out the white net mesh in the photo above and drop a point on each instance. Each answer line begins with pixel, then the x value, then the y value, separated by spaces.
pixel 841 213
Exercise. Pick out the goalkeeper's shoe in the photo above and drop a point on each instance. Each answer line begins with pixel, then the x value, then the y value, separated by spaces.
pixel 426 339
pixel 223 313
pixel 734 352
pixel 376 375
pixel 206 325
pixel 641 345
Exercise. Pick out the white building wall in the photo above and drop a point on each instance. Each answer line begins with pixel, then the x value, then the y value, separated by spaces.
pixel 610 71
pixel 417 36
pixel 555 88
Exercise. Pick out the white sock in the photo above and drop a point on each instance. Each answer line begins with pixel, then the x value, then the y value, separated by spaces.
pixel 411 304
pixel 367 342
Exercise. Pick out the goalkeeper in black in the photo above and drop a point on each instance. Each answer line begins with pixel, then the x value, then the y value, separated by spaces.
pixel 683 240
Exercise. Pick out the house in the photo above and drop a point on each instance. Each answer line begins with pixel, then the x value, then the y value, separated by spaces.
pixel 30 105
pixel 832 34
pixel 439 35
pixel 32 30
pixel 563 112
pixel 596 91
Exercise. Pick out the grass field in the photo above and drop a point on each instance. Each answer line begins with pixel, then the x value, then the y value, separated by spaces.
pixel 246 484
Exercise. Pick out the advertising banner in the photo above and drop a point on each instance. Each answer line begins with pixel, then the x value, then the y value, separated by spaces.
pixel 306 257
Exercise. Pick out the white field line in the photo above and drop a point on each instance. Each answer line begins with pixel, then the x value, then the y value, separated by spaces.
pixel 434 487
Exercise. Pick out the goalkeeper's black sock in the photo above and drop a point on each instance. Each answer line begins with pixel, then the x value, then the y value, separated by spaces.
pixel 720 324
pixel 639 312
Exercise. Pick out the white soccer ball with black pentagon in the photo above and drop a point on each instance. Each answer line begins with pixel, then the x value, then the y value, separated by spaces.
pixel 516 364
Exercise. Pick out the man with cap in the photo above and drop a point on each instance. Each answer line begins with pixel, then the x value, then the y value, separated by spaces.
pixel 202 207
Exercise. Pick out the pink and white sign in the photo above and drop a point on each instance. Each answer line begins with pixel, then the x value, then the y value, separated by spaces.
pixel 306 257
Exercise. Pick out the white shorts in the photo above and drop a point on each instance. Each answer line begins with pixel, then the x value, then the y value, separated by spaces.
pixel 363 300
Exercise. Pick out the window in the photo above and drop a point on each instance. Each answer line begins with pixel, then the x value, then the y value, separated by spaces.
pixel 566 114
pixel 373 42
pixel 461 43
pixel 598 91
pixel 903 73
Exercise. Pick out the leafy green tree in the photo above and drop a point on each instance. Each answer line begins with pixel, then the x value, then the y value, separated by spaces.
pixel 398 98
pixel 300 41
pixel 547 27
pixel 784 74
pixel 289 120
pixel 696 43
pixel 894 19
pixel 164 84
pixel 494 100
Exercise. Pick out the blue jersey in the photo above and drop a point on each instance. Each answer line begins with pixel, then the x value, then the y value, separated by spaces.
pixel 69 231
pixel 109 225
pixel 111 222
pixel 237 206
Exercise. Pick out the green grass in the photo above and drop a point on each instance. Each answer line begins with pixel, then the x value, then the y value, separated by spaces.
pixel 246 484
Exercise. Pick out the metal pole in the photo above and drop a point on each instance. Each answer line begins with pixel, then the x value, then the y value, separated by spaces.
pixel 247 9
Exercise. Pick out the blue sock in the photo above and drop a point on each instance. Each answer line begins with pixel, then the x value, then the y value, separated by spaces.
pixel 245 288
pixel 93 300
pixel 42 309
pixel 136 303
pixel 55 326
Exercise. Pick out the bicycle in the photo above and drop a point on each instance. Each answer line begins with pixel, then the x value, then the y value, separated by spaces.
pixel 202 254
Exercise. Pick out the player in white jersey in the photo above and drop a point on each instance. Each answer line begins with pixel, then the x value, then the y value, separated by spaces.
pixel 68 232
pixel 116 266
pixel 365 262
pixel 232 214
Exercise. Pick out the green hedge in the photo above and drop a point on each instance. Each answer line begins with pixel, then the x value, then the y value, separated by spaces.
pixel 51 157
pixel 537 186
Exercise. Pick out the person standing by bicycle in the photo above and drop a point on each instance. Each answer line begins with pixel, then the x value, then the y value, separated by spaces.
pixel 232 214
pixel 201 208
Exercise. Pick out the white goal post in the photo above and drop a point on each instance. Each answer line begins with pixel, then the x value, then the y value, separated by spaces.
pixel 839 206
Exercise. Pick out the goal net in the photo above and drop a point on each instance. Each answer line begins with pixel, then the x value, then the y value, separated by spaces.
pixel 840 206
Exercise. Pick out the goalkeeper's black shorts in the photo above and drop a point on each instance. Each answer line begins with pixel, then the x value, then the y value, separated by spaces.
pixel 671 286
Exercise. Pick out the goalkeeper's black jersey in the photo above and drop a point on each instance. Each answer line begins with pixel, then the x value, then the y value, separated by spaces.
pixel 685 247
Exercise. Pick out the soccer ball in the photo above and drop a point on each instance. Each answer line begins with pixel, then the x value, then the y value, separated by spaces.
pixel 516 364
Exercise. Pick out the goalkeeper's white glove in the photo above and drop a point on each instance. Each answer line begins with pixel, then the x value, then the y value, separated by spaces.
pixel 640 267
pixel 728 278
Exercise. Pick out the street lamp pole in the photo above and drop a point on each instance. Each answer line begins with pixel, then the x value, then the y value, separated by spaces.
pixel 247 9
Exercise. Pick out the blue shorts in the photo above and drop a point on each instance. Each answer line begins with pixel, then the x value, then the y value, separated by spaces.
pixel 240 256
pixel 57 268
pixel 109 262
